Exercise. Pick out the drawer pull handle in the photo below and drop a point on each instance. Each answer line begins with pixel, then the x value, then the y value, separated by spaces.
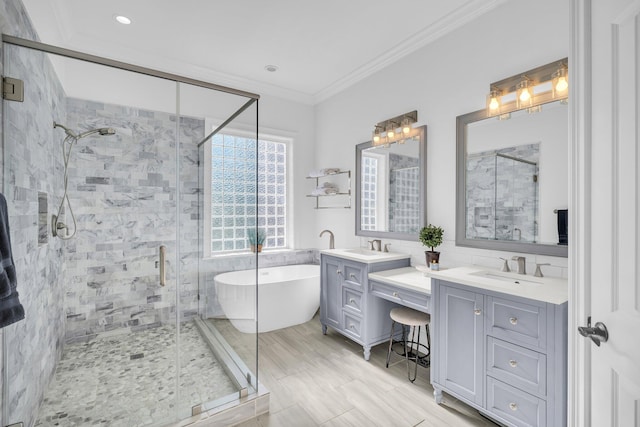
pixel 352 301
pixel 353 276
pixel 395 294
pixel 338 271
pixel 477 312
pixel 513 406
pixel 513 363
pixel 513 320
pixel 352 327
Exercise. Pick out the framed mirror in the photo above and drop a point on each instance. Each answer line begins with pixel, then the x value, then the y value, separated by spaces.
pixel 390 188
pixel 512 181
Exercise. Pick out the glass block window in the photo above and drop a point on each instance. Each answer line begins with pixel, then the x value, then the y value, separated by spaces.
pixel 369 192
pixel 237 206
pixel 406 193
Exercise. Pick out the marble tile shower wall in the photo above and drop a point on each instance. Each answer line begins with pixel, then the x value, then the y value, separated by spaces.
pixel 123 190
pixel 502 194
pixel 32 163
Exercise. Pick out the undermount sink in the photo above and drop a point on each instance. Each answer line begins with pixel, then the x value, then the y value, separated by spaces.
pixel 507 277
pixel 364 252
pixel 365 255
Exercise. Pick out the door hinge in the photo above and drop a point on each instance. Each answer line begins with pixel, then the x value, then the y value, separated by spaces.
pixel 12 89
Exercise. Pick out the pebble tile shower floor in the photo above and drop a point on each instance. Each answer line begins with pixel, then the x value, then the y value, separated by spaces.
pixel 129 380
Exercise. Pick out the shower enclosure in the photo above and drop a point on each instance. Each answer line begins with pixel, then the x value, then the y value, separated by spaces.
pixel 502 193
pixel 114 329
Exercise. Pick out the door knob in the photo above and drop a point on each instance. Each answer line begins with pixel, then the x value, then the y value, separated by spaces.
pixel 597 333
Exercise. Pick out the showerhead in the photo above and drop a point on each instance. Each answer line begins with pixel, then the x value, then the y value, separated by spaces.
pixel 101 131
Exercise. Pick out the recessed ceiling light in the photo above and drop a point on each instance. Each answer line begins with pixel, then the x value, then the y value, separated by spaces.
pixel 123 19
pixel 271 68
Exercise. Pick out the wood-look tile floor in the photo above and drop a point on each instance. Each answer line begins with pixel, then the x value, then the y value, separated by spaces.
pixel 323 380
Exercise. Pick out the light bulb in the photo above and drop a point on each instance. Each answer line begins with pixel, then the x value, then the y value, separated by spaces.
pixel 406 126
pixel 493 103
pixel 524 94
pixel 391 131
pixel 562 84
pixel 376 136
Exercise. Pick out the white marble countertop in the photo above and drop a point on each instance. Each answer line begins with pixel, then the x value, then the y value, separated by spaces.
pixel 364 255
pixel 545 289
pixel 407 277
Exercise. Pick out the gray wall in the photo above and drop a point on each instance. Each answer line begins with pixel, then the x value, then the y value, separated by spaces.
pixel 32 164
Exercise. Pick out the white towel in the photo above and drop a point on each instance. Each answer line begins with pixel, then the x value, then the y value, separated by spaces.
pixel 327 185
pixel 323 172
pixel 320 191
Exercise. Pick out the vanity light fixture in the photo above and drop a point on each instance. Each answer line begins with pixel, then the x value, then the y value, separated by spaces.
pixel 529 90
pixel 395 130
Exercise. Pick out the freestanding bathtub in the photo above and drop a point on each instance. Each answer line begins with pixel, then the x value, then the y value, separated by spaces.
pixel 287 296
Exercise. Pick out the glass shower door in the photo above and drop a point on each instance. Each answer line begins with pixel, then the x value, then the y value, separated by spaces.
pixel 98 344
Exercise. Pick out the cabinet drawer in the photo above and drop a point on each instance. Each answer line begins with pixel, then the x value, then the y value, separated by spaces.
pixel 406 297
pixel 515 406
pixel 517 322
pixel 523 368
pixel 352 325
pixel 352 299
pixel 353 274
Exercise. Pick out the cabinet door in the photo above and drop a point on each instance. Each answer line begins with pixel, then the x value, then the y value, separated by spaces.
pixel 331 301
pixel 460 343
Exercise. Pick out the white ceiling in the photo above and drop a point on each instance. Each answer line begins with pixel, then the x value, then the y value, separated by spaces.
pixel 320 47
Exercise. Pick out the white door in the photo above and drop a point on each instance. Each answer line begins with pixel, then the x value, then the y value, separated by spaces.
pixel 606 265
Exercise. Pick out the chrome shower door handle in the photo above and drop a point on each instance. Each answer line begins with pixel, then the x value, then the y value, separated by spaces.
pixel 163 253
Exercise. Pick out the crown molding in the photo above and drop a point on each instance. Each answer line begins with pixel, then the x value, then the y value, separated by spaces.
pixel 452 21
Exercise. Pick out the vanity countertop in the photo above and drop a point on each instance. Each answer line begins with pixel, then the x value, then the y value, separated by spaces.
pixel 364 255
pixel 545 289
pixel 407 277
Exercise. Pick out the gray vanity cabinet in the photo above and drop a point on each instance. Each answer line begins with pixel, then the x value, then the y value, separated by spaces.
pixel 502 354
pixel 347 305
pixel 459 349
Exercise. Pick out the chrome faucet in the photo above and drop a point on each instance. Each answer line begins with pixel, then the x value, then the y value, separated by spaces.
pixel 332 244
pixel 522 266
pixel 538 272
pixel 377 245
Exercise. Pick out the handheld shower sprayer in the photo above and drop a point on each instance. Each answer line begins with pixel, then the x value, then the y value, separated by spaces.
pixel 56 225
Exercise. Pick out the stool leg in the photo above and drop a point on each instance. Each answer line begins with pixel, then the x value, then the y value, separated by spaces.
pixel 393 324
pixel 415 373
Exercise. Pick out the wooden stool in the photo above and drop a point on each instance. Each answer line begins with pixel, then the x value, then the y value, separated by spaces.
pixel 408 317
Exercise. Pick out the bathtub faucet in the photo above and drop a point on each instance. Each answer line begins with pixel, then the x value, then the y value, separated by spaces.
pixel 332 244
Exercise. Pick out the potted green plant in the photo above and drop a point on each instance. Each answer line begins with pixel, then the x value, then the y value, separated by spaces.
pixel 256 239
pixel 431 236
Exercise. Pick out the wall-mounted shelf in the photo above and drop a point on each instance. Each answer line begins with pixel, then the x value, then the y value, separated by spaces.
pixel 344 194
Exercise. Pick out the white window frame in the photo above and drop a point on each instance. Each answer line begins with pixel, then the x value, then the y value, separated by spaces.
pixel 273 136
